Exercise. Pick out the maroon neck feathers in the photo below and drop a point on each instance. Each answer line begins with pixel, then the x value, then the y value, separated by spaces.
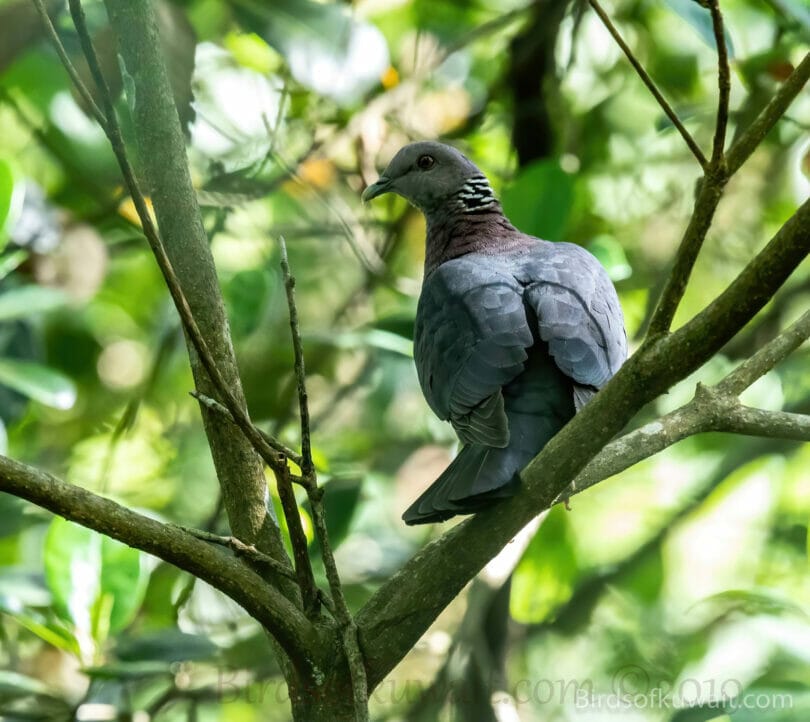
pixel 472 221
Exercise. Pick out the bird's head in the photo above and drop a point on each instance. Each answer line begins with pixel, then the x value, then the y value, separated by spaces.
pixel 427 174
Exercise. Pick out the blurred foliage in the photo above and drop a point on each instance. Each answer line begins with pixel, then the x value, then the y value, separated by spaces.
pixel 687 573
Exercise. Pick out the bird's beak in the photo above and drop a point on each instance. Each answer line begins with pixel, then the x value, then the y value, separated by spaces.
pixel 383 185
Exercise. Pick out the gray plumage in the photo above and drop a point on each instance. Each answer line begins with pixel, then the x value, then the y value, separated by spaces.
pixel 513 334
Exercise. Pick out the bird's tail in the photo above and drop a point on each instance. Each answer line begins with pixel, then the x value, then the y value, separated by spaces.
pixel 480 475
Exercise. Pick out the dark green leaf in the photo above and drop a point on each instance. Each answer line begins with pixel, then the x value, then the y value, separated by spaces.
pixel 539 200
pixel 544 578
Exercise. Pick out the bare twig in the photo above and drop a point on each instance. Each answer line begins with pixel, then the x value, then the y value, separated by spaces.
pixel 767 357
pixel 711 189
pixel 748 142
pixel 71 70
pixel 723 82
pixel 651 86
pixel 708 198
pixel 240 549
pixel 300 370
pixel 168 542
pixel 298 539
pixel 273 442
pixel 351 643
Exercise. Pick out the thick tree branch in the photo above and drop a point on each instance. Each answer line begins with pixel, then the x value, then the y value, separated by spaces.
pixel 402 609
pixel 651 86
pixel 713 409
pixel 188 257
pixel 279 616
pixel 232 456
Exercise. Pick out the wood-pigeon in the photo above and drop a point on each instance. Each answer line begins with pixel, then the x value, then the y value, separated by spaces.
pixel 513 334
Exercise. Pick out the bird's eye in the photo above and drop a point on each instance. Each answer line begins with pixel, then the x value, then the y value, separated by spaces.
pixel 425 162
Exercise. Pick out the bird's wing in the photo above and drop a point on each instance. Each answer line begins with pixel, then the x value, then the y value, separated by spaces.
pixel 470 340
pixel 578 315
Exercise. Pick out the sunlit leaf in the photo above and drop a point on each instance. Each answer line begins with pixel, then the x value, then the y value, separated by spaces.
pixel 11 198
pixel 24 301
pixel 38 382
pixel 97 583
pixel 11 261
pixel 612 256
pixel 544 578
pixel 328 50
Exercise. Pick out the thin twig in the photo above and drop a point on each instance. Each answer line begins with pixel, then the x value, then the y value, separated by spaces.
pixel 298 540
pixel 72 72
pixel 708 198
pixel 351 643
pixel 214 405
pixel 651 86
pixel 241 549
pixel 749 141
pixel 711 188
pixel 300 370
pixel 767 357
pixel 723 82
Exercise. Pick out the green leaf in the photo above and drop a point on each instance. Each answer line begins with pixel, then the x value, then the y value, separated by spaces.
pixel 544 577
pixel 612 256
pixel 168 645
pixel 10 262
pixel 14 685
pixel 38 382
pixel 340 501
pixel 11 198
pixel 701 20
pixel 97 583
pixel 540 199
pixel 24 301
pixel 247 295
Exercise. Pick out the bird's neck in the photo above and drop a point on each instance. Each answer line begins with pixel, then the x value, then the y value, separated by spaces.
pixel 471 221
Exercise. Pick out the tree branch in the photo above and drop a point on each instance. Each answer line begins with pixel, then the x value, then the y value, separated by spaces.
pixel 350 641
pixel 81 88
pixel 651 86
pixel 268 606
pixel 714 181
pixel 712 409
pixel 723 82
pixel 402 609
pixel 185 258
pixel 748 142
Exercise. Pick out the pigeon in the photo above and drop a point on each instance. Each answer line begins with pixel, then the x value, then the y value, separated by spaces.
pixel 513 334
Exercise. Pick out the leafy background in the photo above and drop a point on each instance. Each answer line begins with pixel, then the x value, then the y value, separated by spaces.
pixel 687 573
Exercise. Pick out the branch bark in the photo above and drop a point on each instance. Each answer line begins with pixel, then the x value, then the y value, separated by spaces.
pixel 296 635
